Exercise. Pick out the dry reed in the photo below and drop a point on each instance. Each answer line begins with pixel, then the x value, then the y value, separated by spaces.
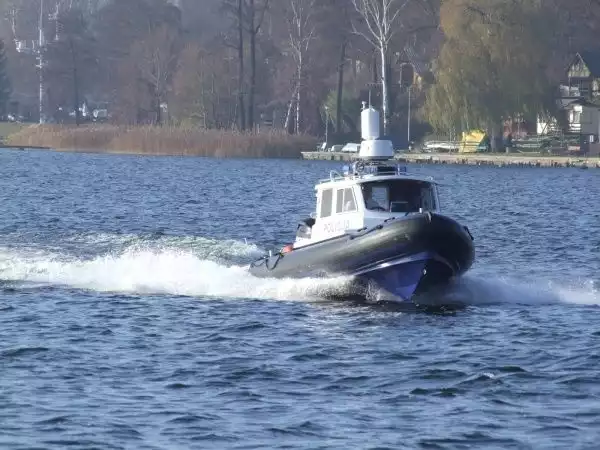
pixel 149 140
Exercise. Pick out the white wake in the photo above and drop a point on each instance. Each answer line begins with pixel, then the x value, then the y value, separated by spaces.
pixel 482 290
pixel 160 271
pixel 201 267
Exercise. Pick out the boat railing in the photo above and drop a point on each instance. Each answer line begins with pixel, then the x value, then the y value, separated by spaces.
pixel 371 175
pixel 368 171
pixel 391 171
pixel 334 175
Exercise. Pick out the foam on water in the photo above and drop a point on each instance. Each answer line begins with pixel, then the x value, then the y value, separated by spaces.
pixel 479 290
pixel 160 271
pixel 202 267
pixel 225 249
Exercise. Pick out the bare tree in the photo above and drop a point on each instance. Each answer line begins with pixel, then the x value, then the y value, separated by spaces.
pixel 5 88
pixel 241 75
pixel 71 57
pixel 254 20
pixel 235 9
pixel 127 32
pixel 381 19
pixel 10 11
pixel 156 59
pixel 337 29
pixel 280 58
pixel 301 27
pixel 204 87
pixel 20 17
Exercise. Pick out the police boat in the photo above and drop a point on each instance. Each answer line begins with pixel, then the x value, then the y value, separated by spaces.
pixel 378 224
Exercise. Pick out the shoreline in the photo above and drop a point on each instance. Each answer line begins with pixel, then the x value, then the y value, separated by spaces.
pixel 494 160
pixel 159 141
pixel 173 141
pixel 473 159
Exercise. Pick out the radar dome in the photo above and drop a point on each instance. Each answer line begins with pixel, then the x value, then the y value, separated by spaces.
pixel 369 123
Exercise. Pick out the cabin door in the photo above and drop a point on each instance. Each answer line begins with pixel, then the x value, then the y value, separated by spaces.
pixel 337 212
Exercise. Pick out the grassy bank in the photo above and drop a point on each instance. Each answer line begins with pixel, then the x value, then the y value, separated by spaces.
pixel 163 141
pixel 7 129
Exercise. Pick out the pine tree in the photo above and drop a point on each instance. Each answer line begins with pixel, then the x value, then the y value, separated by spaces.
pixel 5 89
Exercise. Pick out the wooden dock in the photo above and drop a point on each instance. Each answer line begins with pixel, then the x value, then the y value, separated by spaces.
pixel 472 159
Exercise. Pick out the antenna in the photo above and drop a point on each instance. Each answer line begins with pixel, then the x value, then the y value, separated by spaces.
pixel 41 45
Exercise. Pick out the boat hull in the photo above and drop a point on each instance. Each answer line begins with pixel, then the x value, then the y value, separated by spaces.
pixel 402 256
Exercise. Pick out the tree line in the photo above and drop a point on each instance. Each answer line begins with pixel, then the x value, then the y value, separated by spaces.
pixel 301 65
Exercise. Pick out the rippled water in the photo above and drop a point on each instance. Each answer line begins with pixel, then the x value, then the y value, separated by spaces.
pixel 127 319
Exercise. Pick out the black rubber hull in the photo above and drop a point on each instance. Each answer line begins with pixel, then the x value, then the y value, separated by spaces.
pixel 403 256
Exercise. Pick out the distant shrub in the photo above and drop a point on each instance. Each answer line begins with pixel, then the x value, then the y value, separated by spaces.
pixel 150 140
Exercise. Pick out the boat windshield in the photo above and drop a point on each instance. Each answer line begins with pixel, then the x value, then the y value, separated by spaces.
pixel 399 195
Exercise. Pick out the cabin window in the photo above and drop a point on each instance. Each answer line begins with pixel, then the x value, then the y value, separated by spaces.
pixel 345 201
pixel 379 197
pixel 427 198
pixel 326 202
pixel 399 196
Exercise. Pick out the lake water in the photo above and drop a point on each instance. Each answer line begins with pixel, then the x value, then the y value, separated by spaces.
pixel 128 321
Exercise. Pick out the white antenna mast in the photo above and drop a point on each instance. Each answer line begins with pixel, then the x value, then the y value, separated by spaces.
pixel 41 45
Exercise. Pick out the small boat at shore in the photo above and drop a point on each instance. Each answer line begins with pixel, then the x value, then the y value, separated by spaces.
pixel 378 224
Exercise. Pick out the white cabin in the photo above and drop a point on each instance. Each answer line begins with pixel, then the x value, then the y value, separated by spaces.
pixel 366 195
pixel 370 191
